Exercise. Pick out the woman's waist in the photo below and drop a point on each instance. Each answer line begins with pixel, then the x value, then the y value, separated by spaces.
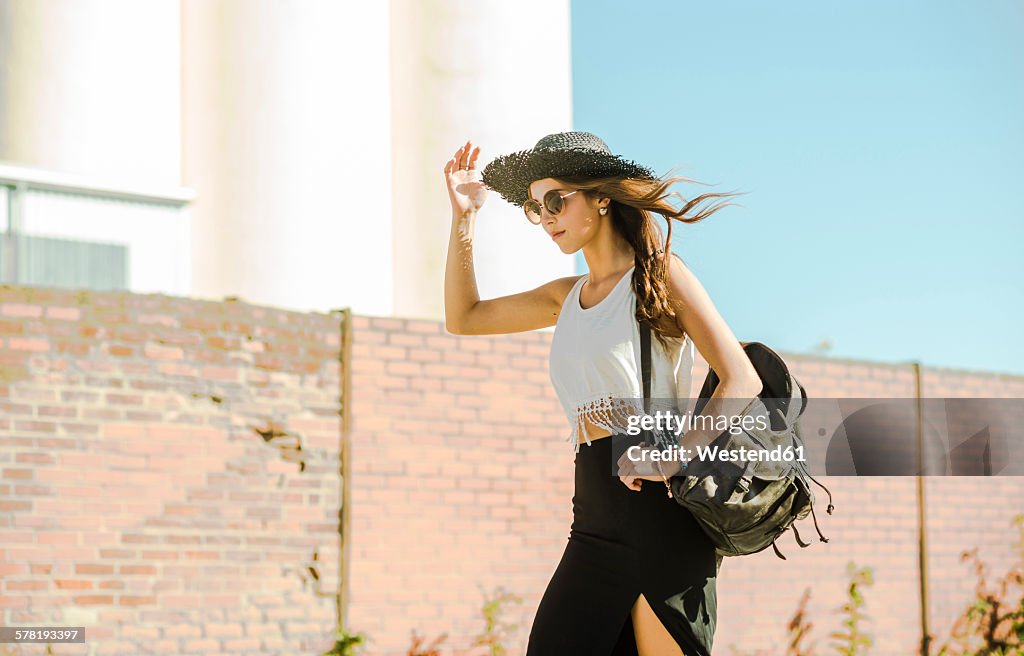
pixel 588 429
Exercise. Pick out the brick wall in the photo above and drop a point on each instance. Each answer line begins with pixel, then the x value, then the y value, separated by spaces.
pixel 139 496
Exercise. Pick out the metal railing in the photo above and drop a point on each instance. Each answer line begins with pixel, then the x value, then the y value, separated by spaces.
pixel 80 259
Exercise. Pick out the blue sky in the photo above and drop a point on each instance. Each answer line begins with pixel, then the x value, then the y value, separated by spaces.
pixel 882 148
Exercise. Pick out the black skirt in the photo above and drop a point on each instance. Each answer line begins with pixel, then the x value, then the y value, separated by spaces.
pixel 624 543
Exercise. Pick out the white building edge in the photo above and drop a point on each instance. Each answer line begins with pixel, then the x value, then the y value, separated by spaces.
pixel 289 154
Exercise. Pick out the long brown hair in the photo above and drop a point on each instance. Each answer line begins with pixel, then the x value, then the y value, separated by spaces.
pixel 634 202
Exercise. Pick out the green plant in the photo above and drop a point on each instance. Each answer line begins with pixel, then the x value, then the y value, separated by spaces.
pixel 496 631
pixel 993 624
pixel 853 641
pixel 418 649
pixel 345 644
pixel 798 628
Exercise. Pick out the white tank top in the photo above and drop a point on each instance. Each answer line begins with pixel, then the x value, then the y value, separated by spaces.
pixel 595 362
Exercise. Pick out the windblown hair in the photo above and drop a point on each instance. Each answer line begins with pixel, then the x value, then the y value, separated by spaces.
pixel 634 202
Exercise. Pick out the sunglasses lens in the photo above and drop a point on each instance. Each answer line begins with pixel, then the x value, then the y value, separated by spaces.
pixel 554 202
pixel 532 210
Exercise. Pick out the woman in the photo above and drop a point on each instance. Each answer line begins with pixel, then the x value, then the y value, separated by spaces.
pixel 637 575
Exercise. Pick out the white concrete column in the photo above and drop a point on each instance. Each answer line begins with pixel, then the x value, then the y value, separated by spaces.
pixel 498 73
pixel 92 87
pixel 286 142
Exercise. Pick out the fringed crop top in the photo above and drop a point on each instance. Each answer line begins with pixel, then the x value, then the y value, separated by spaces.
pixel 595 362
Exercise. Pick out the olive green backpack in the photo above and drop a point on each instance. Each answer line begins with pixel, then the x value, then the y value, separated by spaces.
pixel 744 507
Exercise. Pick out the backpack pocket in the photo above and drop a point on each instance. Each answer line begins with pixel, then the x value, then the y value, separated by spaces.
pixel 758 502
pixel 761 533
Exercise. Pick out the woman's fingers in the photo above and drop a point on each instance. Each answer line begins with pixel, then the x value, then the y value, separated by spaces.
pixel 464 159
pixel 453 164
pixel 465 155
pixel 631 482
pixel 626 463
pixel 628 473
pixel 627 468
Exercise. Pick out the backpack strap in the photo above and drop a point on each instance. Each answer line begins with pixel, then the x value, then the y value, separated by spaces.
pixel 645 363
pixel 796 534
pixel 797 403
pixel 645 374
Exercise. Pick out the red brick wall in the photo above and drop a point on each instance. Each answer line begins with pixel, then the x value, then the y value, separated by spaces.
pixel 134 503
pixel 463 478
pixel 136 499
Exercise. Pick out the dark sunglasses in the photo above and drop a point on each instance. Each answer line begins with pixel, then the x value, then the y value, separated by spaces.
pixel 554 203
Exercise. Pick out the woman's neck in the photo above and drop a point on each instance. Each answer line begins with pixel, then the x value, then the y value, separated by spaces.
pixel 608 263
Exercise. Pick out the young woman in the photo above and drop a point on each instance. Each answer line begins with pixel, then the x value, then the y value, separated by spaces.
pixel 638 575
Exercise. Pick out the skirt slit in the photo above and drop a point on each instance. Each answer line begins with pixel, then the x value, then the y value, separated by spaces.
pixel 624 543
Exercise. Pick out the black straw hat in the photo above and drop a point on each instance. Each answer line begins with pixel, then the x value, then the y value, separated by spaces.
pixel 564 153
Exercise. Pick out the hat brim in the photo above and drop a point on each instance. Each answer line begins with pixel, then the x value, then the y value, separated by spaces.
pixel 510 175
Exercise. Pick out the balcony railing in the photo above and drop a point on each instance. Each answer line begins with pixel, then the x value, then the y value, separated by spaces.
pixel 71 231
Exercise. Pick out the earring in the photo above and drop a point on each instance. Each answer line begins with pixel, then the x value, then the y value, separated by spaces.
pixel 602 211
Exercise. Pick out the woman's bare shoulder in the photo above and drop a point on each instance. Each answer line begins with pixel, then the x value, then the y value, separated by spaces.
pixel 559 288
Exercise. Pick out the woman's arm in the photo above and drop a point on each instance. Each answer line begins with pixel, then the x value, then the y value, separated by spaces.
pixel 464 312
pixel 697 316
pixel 738 380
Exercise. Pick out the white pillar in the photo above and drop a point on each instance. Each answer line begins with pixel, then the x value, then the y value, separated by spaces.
pixel 498 73
pixel 92 87
pixel 286 142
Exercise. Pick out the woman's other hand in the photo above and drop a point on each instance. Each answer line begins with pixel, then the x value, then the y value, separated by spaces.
pixel 633 472
pixel 465 190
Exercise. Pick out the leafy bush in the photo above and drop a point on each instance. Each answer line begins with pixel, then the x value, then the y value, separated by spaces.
pixel 418 649
pixel 852 641
pixel 798 629
pixel 495 631
pixel 993 624
pixel 345 644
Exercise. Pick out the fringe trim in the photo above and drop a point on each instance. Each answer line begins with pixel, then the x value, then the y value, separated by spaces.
pixel 612 414
pixel 607 412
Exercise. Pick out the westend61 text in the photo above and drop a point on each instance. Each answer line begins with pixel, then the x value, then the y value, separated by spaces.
pixel 708 453
pixel 664 421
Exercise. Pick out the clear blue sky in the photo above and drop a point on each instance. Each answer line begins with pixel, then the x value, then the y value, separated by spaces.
pixel 882 146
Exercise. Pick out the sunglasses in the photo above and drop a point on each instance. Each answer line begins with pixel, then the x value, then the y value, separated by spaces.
pixel 554 203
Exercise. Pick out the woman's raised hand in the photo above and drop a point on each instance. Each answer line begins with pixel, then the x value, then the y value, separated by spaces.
pixel 465 190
